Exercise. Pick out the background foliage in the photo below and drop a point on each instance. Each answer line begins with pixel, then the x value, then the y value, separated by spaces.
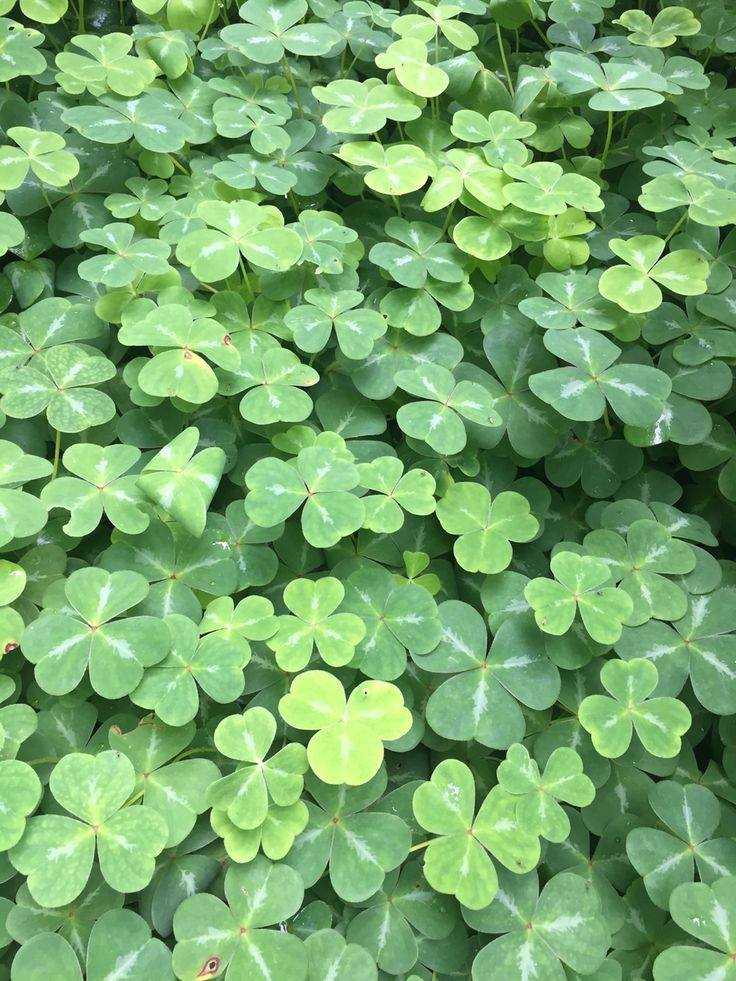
pixel 367 491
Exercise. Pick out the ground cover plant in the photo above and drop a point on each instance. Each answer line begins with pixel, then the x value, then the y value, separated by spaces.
pixel 367 490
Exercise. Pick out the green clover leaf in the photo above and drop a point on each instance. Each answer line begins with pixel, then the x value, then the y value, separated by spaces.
pixel 635 286
pixel 42 153
pixel 707 913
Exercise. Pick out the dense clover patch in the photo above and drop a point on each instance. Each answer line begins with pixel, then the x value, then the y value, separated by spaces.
pixel 367 490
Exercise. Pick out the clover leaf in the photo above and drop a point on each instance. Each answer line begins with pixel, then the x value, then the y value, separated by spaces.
pixel 23 514
pixel 94 789
pixel 661 32
pixel 42 153
pixel 459 860
pixel 348 747
pixel 705 912
pixel 269 31
pixel 658 722
pixel 130 259
pixel 325 311
pixel 635 286
pixel 88 637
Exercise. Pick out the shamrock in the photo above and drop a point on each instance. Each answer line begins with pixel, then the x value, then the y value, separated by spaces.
pixel 701 644
pixel 438 419
pixel 538 794
pixel 397 618
pixel 21 794
pixel 412 491
pixel 622 87
pixel 360 848
pixel 12 232
pixel 248 545
pixel 562 923
pixel 348 748
pixel 274 378
pixel 176 790
pixel 481 698
pixel 485 526
pixel 323 477
pixel 60 386
pixel 658 722
pixel 634 285
pixel 458 861
pixel 42 153
pixel 130 260
pixel 237 229
pixel 106 66
pixel 364 107
pixel 315 624
pixel 212 936
pixel 94 789
pixel 545 189
pixel 22 513
pixel 251 620
pixel 707 913
pixel 182 481
pixel 705 203
pixel 636 392
pixel 440 18
pixel 99 486
pixel 171 687
pixel 271 31
pixel 47 323
pixel 153 119
pixel 147 198
pixel 420 254
pixel 639 566
pixel 86 636
pixel 666 858
pixel 661 32
pixel 180 371
pixel 396 170
pixel 330 955
pixel 579 585
pixel 408 59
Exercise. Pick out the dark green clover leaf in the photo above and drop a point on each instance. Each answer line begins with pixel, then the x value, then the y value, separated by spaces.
pixel 323 476
pixel 539 794
pixel 99 486
pixel 315 624
pixel 666 858
pixel 212 936
pixel 580 585
pixel 658 722
pixel 636 392
pixel 481 699
pixel 182 481
pixel 348 747
pixel 34 957
pixel 562 923
pixel 86 636
pixel 57 852
pixel 331 957
pixel 486 526
pixel 120 938
pixel 458 860
pixel 360 846
pixel 60 386
pixel 708 913
pixel 21 794
pixel 438 420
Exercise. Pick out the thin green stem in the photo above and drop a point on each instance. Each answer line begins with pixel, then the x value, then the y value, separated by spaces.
pixel 607 421
pixel 676 227
pixel 504 61
pixel 607 144
pixel 541 33
pixel 292 82
pixel 294 203
pixel 134 798
pixel 57 450
pixel 397 205
pixel 357 55
pixel 178 166
pixel 448 217
pixel 43 760
pixel 245 276
pixel 210 18
pixel 193 750
pixel 81 27
pixel 422 844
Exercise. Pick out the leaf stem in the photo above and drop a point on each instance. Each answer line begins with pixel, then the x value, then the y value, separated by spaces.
pixel 422 844
pixel 178 166
pixel 81 27
pixel 607 144
pixel 675 228
pixel 57 448
pixel 502 51
pixel 292 82
pixel 245 275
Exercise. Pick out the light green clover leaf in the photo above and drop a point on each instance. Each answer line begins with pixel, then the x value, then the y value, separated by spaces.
pixel 270 31
pixel 130 259
pixel 486 526
pixel 21 793
pixel 99 486
pixel 438 419
pixel 212 937
pixel 171 686
pixel 440 18
pixel 396 170
pixel 12 232
pixel 106 66
pixel 153 119
pixel 33 958
pixel 312 323
pixel 636 392
pixel 688 838
pixel 706 203
pixel 182 481
pixel 363 108
pixel 40 152
pixel 323 477
pixel 659 722
pixel 563 923
pixel 635 286
pixel 538 794
pixel 409 60
pixel 622 86
pixel 315 624
pixel 94 789
pixel 579 585
pixel 18 55
pixel 120 937
pixel 86 636
pixel 251 619
pixel 274 377
pixel 545 189
pixel 459 861
pixel 62 389
pixel 396 492
pixel 708 913
pixel 669 24
pixel 348 748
